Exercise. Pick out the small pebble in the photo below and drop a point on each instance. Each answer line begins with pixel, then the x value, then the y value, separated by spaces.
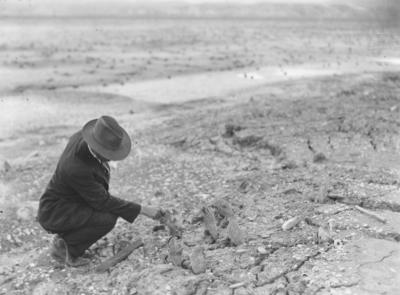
pixel 262 250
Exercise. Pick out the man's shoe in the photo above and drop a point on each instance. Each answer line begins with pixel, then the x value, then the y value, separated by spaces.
pixel 60 253
pixel 76 261
pixel 58 250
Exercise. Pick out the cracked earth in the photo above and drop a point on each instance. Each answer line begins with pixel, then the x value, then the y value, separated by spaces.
pixel 272 160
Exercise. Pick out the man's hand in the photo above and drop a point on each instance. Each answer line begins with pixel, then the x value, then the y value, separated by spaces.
pixel 151 212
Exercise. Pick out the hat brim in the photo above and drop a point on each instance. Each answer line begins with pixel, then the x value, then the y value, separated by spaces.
pixel 114 155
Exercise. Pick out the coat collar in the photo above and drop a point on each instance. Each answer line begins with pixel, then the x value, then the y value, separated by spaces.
pixel 83 153
pixel 93 154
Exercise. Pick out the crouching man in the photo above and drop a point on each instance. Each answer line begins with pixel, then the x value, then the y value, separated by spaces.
pixel 76 204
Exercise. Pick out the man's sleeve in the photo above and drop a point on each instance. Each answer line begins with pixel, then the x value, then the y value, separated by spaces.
pixel 97 197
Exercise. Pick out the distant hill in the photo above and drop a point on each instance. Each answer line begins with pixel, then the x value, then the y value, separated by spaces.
pixel 184 10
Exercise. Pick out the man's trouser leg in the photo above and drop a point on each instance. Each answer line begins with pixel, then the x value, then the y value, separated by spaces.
pixel 80 239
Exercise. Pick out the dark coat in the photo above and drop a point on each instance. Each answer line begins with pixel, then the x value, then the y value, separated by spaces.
pixel 79 187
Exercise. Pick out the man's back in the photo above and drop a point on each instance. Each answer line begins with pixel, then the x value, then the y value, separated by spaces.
pixel 61 198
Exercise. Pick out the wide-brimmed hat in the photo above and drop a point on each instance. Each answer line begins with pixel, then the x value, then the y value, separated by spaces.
pixel 107 138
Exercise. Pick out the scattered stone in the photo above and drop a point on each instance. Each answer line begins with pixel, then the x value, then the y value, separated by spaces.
pixel 235 234
pixel 275 150
pixel 319 158
pixel 210 223
pixel 120 245
pixel 186 263
pixel 324 234
pixel 336 198
pixel 175 251
pixel 322 196
pixel 222 147
pixel 241 251
pixel 197 217
pixel 289 164
pixel 202 288
pixel 292 222
pixel 25 213
pixel 198 260
pixel 247 141
pixel 230 130
pixel 244 186
pixel 6 166
pixel 33 154
pixel 262 250
pixel 159 227
pixel 223 208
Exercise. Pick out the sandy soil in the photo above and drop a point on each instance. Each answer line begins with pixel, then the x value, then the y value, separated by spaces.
pixel 287 115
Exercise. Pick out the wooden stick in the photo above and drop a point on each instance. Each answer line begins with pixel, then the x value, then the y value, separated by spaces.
pixel 120 256
pixel 237 285
pixel 371 214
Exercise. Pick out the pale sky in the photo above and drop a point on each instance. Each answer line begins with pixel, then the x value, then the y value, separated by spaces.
pixel 19 2
pixel 51 6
